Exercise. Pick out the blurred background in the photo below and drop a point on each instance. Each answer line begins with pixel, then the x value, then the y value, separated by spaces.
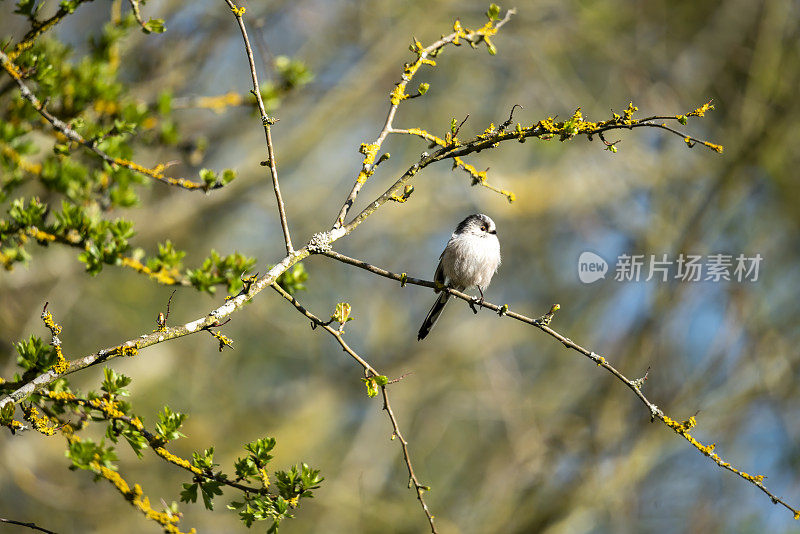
pixel 512 432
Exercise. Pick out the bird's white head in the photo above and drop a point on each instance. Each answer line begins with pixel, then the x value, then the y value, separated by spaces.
pixel 478 225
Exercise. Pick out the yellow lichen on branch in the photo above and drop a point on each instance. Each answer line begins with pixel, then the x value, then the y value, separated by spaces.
pixel 220 102
pixel 19 161
pixel 177 460
pixel 40 422
pixel 370 151
pixel 683 428
pixel 136 497
pixel 161 276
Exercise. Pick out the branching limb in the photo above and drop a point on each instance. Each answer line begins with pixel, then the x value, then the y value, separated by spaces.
pixel 75 241
pixel 424 57
pixel 419 488
pixel 635 385
pixel 131 347
pixel 156 173
pixel 267 122
pixel 544 129
pixel 368 369
pixel 110 412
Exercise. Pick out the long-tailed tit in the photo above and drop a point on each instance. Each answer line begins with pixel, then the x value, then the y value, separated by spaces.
pixel 470 258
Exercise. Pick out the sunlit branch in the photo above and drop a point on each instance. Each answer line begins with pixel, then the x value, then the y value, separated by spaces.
pixel 370 371
pixel 238 12
pixel 682 428
pixel 424 57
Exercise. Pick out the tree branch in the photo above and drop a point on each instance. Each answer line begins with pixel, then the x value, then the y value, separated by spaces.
pixel 370 371
pixel 29 525
pixel 62 127
pixel 370 151
pixel 131 347
pixel 635 385
pixel 267 122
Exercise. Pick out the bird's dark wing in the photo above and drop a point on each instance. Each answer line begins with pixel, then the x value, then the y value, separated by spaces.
pixel 438 276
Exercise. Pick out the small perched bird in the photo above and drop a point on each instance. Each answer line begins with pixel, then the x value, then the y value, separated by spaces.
pixel 470 258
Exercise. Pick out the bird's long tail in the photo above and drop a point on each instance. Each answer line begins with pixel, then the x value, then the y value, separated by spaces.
pixel 433 315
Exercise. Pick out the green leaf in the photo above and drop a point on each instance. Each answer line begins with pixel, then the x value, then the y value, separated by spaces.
pixel 114 383
pixel 381 380
pixel 228 175
pixel 293 73
pixel 189 493
pixel 260 450
pixel 28 8
pixel 165 102
pixel 154 26
pixel 86 452
pixel 169 424
pixel 293 280
pixel 209 490
pixel 372 387
pixel 35 355
pixel 204 460
pixel 493 12
pixel 208 176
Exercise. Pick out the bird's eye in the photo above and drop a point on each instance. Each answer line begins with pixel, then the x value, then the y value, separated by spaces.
pixel 484 228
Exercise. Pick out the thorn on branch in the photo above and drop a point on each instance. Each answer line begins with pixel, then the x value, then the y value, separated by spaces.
pixel 399 378
pixel 510 118
pixel 248 281
pixel 611 147
pixel 456 130
pixel 161 321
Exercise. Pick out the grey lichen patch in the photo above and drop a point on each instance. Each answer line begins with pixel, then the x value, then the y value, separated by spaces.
pixel 320 243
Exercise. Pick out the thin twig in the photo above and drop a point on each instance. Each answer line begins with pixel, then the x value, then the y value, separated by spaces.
pixel 332 331
pixel 266 121
pixel 419 488
pixel 29 525
pixel 137 14
pixel 634 385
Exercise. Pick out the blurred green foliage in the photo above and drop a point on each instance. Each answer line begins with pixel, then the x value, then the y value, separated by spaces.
pixel 67 196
